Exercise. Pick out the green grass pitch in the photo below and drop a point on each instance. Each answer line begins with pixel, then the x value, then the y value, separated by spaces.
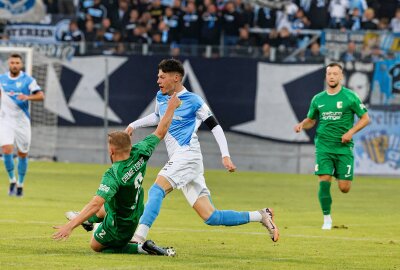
pixel 367 221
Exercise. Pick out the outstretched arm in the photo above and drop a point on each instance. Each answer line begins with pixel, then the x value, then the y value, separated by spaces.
pixel 363 122
pixel 307 123
pixel 63 232
pixel 219 136
pixel 147 121
pixel 162 128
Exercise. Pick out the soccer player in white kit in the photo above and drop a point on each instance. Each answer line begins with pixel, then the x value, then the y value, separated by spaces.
pixel 185 170
pixel 17 89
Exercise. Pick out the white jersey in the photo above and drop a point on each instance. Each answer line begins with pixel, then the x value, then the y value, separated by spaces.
pixel 11 108
pixel 181 135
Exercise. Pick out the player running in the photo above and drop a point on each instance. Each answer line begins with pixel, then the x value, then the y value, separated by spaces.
pixel 334 109
pixel 17 89
pixel 118 203
pixel 185 170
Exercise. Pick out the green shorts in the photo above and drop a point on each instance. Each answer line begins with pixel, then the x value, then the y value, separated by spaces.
pixel 110 235
pixel 341 166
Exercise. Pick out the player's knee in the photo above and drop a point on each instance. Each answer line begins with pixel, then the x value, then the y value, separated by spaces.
pixel 344 189
pixel 95 246
pixel 214 219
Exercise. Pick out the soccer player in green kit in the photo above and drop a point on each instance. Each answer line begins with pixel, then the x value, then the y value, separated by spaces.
pixel 334 109
pixel 118 203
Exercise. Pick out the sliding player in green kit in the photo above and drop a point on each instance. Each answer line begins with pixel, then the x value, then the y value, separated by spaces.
pixel 334 109
pixel 118 203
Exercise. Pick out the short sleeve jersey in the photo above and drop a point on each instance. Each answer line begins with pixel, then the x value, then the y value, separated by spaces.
pixel 335 115
pixel 121 185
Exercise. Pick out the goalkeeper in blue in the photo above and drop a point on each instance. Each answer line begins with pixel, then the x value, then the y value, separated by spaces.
pixel 185 170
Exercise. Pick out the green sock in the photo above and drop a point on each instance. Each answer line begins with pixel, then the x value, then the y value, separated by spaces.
pixel 128 249
pixel 324 196
pixel 95 219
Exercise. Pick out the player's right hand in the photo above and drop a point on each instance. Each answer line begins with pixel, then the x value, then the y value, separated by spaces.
pixel 129 130
pixel 298 127
pixel 174 101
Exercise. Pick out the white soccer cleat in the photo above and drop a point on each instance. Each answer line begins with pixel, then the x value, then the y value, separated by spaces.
pixel 327 225
pixel 70 215
pixel 268 222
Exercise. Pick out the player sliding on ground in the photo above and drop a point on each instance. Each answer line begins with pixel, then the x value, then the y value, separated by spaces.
pixel 118 203
pixel 334 109
pixel 185 170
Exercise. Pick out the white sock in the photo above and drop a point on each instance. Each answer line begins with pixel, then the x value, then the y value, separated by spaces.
pixel 327 218
pixel 142 231
pixel 141 250
pixel 255 216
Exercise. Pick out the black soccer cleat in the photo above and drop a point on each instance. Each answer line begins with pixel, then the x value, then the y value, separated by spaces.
pixel 151 248
pixel 20 192
pixel 12 189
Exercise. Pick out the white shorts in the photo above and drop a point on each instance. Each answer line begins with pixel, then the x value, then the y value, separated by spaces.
pixel 16 131
pixel 185 171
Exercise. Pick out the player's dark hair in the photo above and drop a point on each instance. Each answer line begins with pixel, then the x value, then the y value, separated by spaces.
pixel 15 55
pixel 334 64
pixel 120 140
pixel 171 65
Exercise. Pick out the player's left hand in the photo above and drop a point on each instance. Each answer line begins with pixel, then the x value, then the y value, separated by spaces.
pixel 347 137
pixel 22 97
pixel 228 164
pixel 63 232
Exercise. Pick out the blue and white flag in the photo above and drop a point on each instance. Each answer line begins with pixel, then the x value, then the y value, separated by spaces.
pixel 22 10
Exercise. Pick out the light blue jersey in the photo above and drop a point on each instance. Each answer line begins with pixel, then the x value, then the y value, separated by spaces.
pixel 187 119
pixel 10 87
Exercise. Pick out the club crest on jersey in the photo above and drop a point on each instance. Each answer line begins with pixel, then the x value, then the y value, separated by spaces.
pixel 339 104
pixel 18 84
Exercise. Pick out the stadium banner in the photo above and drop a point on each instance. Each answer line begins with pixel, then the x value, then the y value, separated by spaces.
pixel 266 95
pixel 27 11
pixel 377 147
pixel 336 41
pixel 386 82
pixel 38 33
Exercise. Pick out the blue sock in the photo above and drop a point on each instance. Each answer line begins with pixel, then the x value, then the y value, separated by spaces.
pixel 22 167
pixel 228 218
pixel 153 205
pixel 9 164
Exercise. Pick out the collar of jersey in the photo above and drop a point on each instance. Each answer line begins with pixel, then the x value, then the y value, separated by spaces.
pixel 16 78
pixel 182 92
pixel 335 93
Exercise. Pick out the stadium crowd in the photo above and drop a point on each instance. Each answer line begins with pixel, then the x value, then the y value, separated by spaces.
pixel 243 25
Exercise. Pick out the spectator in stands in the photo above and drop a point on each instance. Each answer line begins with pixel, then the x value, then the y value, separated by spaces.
pixel 300 21
pixel 376 55
pixel 97 11
pixel 246 45
pixel 73 34
pixel 338 11
pixel 353 22
pixel 171 30
pixel 248 15
pixel 369 21
pixel 318 14
pixel 190 27
pixel 361 5
pixel 66 7
pixel 395 22
pixel 210 26
pixel 285 16
pixel 351 54
pixel 383 24
pixel 266 52
pixel 177 8
pixel 107 31
pixel 147 21
pixel 156 11
pixel 287 41
pixel 139 35
pixel 90 32
pixel 131 24
pixel 231 23
pixel 120 16
pixel 313 54
pixel 266 17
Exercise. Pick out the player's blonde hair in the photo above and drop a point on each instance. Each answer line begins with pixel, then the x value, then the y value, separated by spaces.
pixel 120 140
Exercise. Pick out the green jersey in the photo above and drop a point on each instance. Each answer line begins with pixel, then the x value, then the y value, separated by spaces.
pixel 121 185
pixel 335 115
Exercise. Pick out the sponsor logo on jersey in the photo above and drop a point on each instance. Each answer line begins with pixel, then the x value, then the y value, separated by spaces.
pixel 339 104
pixel 320 106
pixel 104 188
pixel 331 115
pixel 316 167
pixel 362 106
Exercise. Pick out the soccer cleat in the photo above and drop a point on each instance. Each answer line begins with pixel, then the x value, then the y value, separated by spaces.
pixel 327 225
pixel 12 190
pixel 151 248
pixel 20 192
pixel 268 222
pixel 70 215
